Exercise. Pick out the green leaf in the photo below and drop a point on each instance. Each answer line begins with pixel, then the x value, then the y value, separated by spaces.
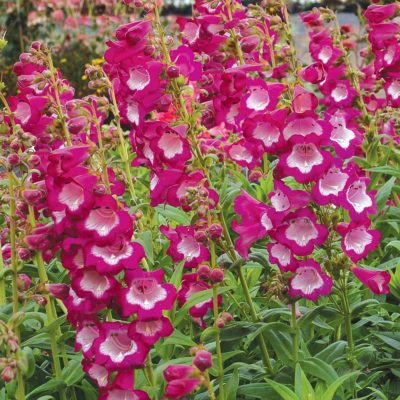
pixel 385 170
pixel 283 391
pixel 261 391
pixel 179 338
pixel 310 315
pixel 333 387
pixel 175 214
pixel 146 240
pixel 389 340
pixel 50 386
pixel 320 369
pixel 232 386
pixel 384 193
pixel 73 372
pixel 332 352
pixel 177 275
pixel 393 243
pixel 302 385
pixel 280 341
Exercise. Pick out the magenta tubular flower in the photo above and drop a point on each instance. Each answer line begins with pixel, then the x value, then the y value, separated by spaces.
pixel 313 73
pixel 285 199
pixel 72 192
pixel 376 280
pixel 178 371
pixel 122 388
pixel 266 130
pixel 105 221
pixel 344 139
pixel 244 153
pixel 331 186
pixel 87 331
pixel 151 330
pixel 177 388
pixel 301 232
pixel 87 282
pixel 112 258
pixel 61 161
pixel 300 126
pixel 191 285
pixel 392 89
pixel 115 350
pixel 72 254
pixel 306 162
pixel 98 373
pixel 183 246
pixel 146 295
pixel 257 220
pixel 357 200
pixel 309 281
pixel 282 256
pixel 377 13
pixel 183 57
pixel 358 240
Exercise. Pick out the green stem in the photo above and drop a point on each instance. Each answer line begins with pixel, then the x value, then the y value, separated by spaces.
pixel 218 345
pixel 209 385
pixel 347 320
pixel 295 329
pixel 14 267
pixel 3 298
pixel 50 312
pixel 263 346
pixel 150 372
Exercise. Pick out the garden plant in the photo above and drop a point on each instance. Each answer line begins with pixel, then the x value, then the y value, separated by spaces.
pixel 217 219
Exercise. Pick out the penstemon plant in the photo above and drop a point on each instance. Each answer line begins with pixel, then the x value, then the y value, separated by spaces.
pixel 199 227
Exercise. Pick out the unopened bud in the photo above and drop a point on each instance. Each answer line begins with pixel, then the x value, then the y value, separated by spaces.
pixel 204 272
pixel 203 360
pixel 215 231
pixel 217 275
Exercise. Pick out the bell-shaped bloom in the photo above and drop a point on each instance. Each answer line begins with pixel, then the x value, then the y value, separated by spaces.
pixel 330 187
pixel 323 50
pixel 183 246
pixel 340 93
pixel 313 73
pixel 183 58
pixel 98 373
pixel 191 285
pixel 304 101
pixel 343 138
pixel 306 162
pixel 112 258
pixel 122 389
pixel 299 126
pixel 115 349
pixel 282 256
pixel 105 221
pixel 257 220
pixel 72 191
pixel 266 129
pixel 72 253
pixel 309 281
pixel 357 199
pixel 181 380
pixel 151 330
pixel 244 153
pixel 87 282
pixel 376 280
pixel 87 331
pixel 146 294
pixel 285 199
pixel 392 89
pixel 358 240
pixel 377 13
pixel 61 161
pixel 301 232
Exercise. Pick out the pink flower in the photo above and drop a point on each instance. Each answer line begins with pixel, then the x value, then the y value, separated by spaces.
pixel 87 332
pixel 376 280
pixel 313 73
pixel 115 349
pixel 358 241
pixel 377 13
pixel 146 295
pixel 98 373
pixel 285 199
pixel 309 281
pixel 257 220
pixel 300 232
pixel 282 256
pixel 183 246
pixel 151 330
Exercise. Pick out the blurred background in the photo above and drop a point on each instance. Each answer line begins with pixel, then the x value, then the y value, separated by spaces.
pixel 77 29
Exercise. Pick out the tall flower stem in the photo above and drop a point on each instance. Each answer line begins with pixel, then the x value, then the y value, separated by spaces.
pixel 14 267
pixel 209 385
pixel 150 372
pixel 296 333
pixel 54 79
pixel 3 299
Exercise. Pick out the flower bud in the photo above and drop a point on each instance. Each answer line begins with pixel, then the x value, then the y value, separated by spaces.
pixel 204 272
pixel 13 159
pixel 41 300
pixel 220 323
pixel 58 290
pixel 255 176
pixel 13 343
pixel 215 231
pixel 217 275
pixel 173 71
pixel 149 50
pixel 203 360
pixel 8 374
pixel 200 236
pixel 23 282
pixel 32 196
